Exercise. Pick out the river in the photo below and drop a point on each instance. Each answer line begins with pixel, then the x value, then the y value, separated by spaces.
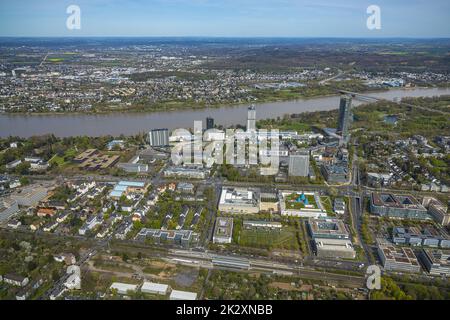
pixel 64 125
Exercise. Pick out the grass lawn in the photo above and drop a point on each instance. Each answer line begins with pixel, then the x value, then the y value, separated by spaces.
pixel 283 239
pixel 326 201
pixel 55 59
pixel 291 202
pixel 57 160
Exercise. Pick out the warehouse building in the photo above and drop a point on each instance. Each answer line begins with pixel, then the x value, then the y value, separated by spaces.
pixel 182 295
pixel 155 288
pixel 123 288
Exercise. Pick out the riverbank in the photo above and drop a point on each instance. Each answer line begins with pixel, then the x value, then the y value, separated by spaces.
pixel 130 123
pixel 183 106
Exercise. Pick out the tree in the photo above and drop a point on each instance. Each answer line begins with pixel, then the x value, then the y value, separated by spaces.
pixel 23 168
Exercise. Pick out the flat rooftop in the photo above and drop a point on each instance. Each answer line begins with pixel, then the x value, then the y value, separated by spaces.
pixel 396 201
pixel 223 227
pixel 330 227
pixel 399 255
pixel 239 196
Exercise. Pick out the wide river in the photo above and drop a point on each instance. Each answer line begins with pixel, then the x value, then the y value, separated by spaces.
pixel 64 125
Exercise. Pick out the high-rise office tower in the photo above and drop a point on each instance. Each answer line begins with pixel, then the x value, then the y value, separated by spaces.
pixel 159 137
pixel 251 119
pixel 345 117
pixel 209 123
pixel 298 165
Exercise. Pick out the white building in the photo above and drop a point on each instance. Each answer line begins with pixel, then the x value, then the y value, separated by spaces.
pixel 123 288
pixel 155 288
pixel 334 248
pixel 182 295
pixel 239 200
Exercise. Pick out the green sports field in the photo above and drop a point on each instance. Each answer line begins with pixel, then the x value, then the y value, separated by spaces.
pixel 281 239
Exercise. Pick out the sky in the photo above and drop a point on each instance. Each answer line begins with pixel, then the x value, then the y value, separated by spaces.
pixel 226 18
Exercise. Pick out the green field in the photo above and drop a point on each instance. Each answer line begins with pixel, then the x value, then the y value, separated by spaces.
pixel 292 204
pixel 283 239
pixel 55 59
pixel 327 205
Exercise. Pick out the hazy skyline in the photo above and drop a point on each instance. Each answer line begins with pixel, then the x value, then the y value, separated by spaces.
pixel 229 18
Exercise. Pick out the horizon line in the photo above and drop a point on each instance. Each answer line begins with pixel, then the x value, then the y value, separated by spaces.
pixel 225 37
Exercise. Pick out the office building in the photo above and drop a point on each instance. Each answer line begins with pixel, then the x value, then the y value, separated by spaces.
pixel 92 159
pixel 397 206
pixel 209 123
pixel 239 200
pixel 436 262
pixel 437 210
pixel 335 173
pixel 223 230
pixel 420 236
pixel 398 258
pixel 339 206
pixel 327 228
pixel 345 117
pixel 298 165
pixel 251 119
pixel 187 172
pixel 177 237
pixel 334 248
pixel 134 165
pixel 159 137
pixel 269 202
